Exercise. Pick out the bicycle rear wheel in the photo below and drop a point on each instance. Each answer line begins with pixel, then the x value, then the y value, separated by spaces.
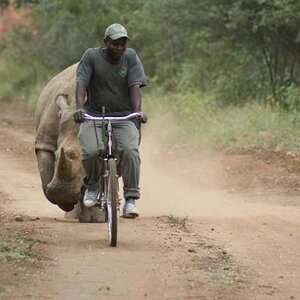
pixel 112 202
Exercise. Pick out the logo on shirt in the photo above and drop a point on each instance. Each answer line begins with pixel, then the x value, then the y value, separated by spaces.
pixel 123 72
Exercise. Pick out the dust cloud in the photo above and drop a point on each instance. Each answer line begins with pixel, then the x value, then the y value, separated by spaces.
pixel 176 181
pixel 179 182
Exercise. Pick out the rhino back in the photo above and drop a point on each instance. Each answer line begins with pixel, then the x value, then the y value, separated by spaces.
pixel 46 114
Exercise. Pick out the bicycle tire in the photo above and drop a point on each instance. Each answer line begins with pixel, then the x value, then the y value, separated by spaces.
pixel 112 202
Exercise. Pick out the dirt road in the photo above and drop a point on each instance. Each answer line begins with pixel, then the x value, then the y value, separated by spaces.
pixel 214 227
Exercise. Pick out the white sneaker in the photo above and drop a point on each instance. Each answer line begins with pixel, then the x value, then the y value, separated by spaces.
pixel 90 198
pixel 129 209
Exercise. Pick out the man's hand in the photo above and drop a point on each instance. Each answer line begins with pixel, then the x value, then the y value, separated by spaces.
pixel 143 118
pixel 79 115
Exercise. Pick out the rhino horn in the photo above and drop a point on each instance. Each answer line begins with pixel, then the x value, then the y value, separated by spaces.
pixel 65 170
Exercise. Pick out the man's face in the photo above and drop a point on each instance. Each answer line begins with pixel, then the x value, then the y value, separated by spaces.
pixel 115 48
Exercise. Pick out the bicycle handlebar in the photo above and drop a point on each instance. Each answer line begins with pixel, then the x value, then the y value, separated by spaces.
pixel 130 116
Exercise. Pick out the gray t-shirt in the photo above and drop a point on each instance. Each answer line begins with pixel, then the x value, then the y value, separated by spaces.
pixel 108 81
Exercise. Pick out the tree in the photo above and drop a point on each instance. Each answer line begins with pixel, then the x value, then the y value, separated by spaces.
pixel 4 4
pixel 272 28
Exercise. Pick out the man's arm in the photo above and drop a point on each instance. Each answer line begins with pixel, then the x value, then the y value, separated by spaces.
pixel 80 92
pixel 136 100
pixel 80 95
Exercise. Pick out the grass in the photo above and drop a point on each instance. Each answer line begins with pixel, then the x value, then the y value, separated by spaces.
pixel 193 120
pixel 4 291
pixel 21 81
pixel 178 222
pixel 17 247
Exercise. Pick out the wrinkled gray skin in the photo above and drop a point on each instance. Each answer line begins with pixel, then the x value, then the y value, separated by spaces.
pixel 57 146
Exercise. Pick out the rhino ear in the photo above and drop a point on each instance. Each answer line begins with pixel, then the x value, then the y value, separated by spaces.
pixel 62 101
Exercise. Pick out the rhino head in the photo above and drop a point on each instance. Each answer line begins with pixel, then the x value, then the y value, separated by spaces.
pixel 65 186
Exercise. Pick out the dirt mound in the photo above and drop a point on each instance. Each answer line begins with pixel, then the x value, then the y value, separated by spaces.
pixel 265 171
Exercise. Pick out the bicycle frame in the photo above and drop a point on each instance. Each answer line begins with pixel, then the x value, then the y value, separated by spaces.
pixel 104 199
pixel 107 131
pixel 108 199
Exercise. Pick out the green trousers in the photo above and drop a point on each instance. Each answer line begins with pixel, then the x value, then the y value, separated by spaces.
pixel 126 137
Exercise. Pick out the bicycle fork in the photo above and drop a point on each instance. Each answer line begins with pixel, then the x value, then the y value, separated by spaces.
pixel 104 188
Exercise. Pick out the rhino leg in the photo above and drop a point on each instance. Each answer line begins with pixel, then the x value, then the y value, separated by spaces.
pixel 74 213
pixel 46 162
pixel 86 214
pixel 90 214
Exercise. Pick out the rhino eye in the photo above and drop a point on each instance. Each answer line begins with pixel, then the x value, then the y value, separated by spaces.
pixel 59 114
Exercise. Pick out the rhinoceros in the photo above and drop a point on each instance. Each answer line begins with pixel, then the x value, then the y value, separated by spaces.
pixel 57 146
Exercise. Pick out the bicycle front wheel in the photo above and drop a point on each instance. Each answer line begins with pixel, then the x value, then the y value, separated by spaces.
pixel 112 202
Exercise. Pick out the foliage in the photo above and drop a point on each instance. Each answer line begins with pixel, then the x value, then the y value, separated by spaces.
pixel 17 3
pixel 18 76
pixel 4 3
pixel 272 28
pixel 232 51
pixel 205 124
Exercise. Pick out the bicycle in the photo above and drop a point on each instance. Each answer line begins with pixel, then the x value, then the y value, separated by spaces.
pixel 108 196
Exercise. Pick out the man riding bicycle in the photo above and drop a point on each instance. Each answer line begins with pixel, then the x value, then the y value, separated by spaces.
pixel 110 77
